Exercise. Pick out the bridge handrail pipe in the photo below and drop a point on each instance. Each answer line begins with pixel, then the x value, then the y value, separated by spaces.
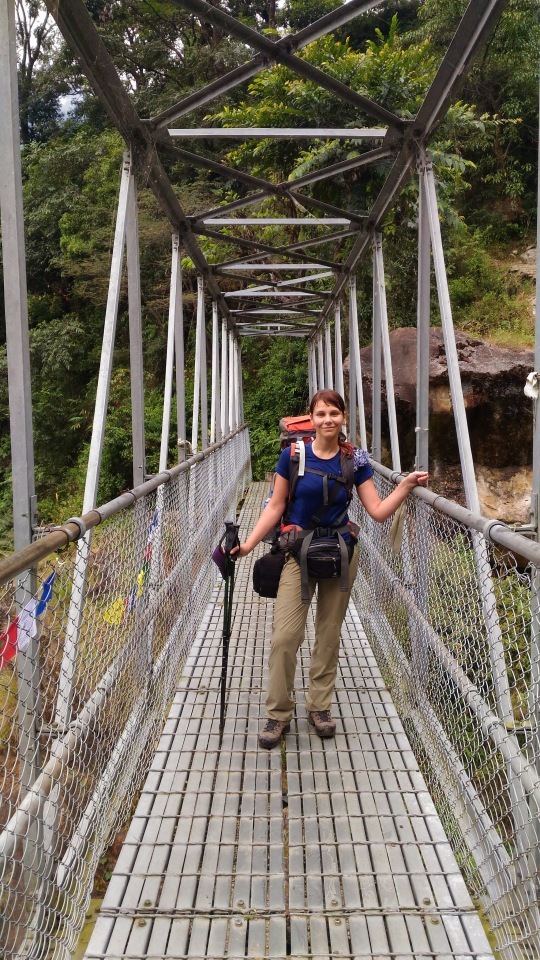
pixel 493 727
pixel 494 861
pixel 496 531
pixel 32 805
pixel 70 531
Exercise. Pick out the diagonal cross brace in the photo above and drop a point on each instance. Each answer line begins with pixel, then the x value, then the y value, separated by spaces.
pixel 280 51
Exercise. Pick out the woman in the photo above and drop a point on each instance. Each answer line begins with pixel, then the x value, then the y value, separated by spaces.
pixel 324 455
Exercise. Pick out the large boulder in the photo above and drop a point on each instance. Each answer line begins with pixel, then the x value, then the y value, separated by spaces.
pixel 498 414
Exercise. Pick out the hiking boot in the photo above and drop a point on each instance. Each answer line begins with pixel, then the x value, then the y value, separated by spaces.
pixel 270 734
pixel 323 723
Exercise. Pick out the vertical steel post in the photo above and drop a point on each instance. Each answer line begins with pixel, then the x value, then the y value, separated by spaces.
pixel 62 716
pixel 311 383
pixel 204 375
pixel 320 356
pixel 387 355
pixel 329 374
pixel 352 433
pixel 454 377
pixel 340 385
pixel 314 374
pixel 419 658
pixel 500 676
pixel 240 384
pixel 176 287
pixel 232 424
pixel 196 376
pixel 355 350
pixel 135 333
pixel 169 363
pixel 215 413
pixel 422 329
pixel 225 422
pixel 237 387
pixel 377 372
pixel 20 419
pixel 520 809
pixel 199 385
pixel 534 689
pixel 69 660
pixel 19 387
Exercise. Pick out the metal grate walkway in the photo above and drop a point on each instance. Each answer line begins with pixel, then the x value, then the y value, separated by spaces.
pixel 325 849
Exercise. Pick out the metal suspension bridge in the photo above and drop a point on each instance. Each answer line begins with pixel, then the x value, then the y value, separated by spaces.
pixel 384 842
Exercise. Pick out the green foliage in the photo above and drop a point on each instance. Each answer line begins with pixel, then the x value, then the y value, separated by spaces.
pixel 455 605
pixel 487 300
pixel 275 385
pixel 503 85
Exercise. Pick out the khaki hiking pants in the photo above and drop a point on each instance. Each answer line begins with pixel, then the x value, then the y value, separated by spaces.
pixel 290 616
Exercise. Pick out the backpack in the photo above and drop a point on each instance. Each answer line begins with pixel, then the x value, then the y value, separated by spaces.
pixel 295 428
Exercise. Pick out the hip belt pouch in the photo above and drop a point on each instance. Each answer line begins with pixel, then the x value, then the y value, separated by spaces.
pixel 324 558
pixel 267 572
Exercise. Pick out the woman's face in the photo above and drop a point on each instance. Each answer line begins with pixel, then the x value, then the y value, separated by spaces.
pixel 328 420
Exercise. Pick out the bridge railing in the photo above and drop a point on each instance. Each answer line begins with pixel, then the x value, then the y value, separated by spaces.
pixel 451 610
pixel 148 582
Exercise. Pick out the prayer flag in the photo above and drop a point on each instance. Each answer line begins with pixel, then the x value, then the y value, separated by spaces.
pixel 24 627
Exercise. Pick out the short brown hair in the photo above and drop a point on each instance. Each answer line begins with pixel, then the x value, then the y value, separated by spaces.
pixel 330 397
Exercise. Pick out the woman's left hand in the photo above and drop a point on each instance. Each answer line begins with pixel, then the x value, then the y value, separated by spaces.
pixel 416 478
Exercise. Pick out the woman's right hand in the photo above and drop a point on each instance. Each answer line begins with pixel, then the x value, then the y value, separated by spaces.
pixel 241 551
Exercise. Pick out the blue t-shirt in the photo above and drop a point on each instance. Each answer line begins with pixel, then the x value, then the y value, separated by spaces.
pixel 308 497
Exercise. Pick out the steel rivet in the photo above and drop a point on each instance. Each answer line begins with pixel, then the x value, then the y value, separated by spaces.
pixel 141 922
pixel 148 903
pixel 240 903
pixel 337 922
pixel 335 902
pixel 238 922
pixel 426 900
pixel 433 919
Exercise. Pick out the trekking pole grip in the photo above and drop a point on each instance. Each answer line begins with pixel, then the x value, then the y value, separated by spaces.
pixel 230 540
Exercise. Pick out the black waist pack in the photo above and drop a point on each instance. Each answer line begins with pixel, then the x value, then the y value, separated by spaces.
pixel 324 557
pixel 267 572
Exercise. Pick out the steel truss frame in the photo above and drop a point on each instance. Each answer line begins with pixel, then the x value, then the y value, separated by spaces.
pixel 401 138
pixel 313 311
pixel 289 303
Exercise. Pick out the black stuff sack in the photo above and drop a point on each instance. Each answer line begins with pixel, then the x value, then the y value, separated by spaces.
pixel 267 572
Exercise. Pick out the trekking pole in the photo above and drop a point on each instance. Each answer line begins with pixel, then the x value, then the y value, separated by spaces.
pixel 225 562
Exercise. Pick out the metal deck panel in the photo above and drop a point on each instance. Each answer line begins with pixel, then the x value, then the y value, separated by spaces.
pixel 328 848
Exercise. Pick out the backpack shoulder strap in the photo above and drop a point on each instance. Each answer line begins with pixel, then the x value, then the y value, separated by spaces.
pixel 297 465
pixel 347 470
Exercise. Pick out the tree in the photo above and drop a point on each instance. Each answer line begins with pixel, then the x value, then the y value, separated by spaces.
pixel 503 86
pixel 40 87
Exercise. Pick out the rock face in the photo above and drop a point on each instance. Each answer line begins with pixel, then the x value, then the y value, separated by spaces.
pixel 498 414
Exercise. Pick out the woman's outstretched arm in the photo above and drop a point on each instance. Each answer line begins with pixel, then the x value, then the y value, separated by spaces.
pixel 382 509
pixel 271 515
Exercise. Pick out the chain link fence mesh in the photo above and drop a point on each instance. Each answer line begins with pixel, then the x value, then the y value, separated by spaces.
pixel 454 625
pixel 90 653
